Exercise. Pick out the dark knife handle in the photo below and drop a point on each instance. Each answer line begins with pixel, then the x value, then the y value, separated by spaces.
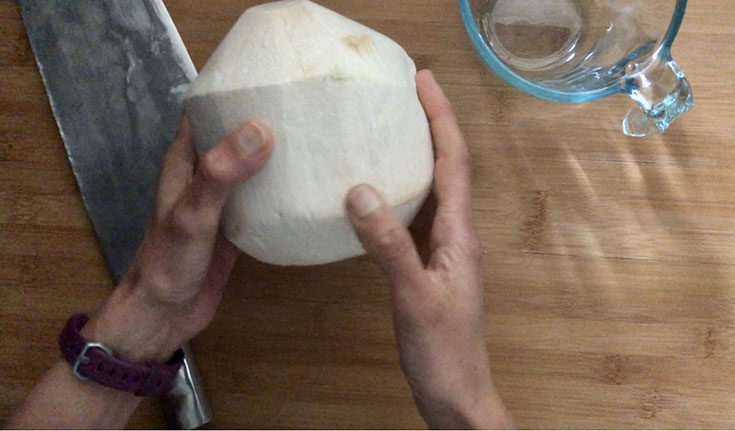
pixel 185 406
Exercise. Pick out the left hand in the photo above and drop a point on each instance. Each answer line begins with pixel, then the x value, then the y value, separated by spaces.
pixel 175 282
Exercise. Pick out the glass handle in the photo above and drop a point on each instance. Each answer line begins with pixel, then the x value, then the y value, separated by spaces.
pixel 662 93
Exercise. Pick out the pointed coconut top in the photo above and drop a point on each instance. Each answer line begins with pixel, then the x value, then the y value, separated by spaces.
pixel 298 40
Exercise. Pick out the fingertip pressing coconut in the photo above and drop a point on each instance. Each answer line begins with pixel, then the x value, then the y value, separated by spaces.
pixel 341 101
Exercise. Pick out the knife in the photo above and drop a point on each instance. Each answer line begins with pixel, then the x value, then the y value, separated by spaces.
pixel 116 72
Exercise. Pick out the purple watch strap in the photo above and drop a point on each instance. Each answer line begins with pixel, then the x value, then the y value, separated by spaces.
pixel 97 363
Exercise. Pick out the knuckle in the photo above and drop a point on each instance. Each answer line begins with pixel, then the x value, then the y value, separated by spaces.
pixel 393 243
pixel 445 259
pixel 466 253
pixel 184 221
pixel 212 169
pixel 156 279
pixel 162 286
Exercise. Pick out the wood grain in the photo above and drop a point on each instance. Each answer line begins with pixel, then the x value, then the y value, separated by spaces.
pixel 610 261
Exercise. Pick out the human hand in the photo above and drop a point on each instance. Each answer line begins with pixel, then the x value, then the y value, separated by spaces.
pixel 175 282
pixel 438 308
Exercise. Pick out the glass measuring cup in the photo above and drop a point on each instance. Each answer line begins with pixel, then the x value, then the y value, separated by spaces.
pixel 576 51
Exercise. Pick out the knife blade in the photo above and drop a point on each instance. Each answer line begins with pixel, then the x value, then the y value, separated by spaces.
pixel 116 72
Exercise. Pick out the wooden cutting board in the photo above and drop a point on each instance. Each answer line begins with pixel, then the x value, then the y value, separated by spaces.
pixel 610 261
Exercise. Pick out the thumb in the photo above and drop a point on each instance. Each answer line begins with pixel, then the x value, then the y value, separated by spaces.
pixel 383 234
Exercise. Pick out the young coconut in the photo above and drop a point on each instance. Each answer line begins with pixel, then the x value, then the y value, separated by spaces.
pixel 341 101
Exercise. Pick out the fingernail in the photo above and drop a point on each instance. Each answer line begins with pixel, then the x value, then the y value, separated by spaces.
pixel 250 140
pixel 363 201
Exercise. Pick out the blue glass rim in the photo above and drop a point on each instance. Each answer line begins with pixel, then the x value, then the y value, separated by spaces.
pixel 549 93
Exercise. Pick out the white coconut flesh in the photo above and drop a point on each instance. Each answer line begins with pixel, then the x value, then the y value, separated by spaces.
pixel 341 101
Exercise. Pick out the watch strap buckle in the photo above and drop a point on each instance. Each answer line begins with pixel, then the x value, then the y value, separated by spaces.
pixel 83 359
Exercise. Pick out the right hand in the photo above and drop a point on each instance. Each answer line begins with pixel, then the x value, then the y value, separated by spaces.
pixel 438 308
pixel 176 279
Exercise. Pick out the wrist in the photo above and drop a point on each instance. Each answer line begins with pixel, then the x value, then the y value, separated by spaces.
pixel 487 412
pixel 469 408
pixel 136 328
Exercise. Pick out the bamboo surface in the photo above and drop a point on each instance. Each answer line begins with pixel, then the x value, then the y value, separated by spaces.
pixel 610 261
